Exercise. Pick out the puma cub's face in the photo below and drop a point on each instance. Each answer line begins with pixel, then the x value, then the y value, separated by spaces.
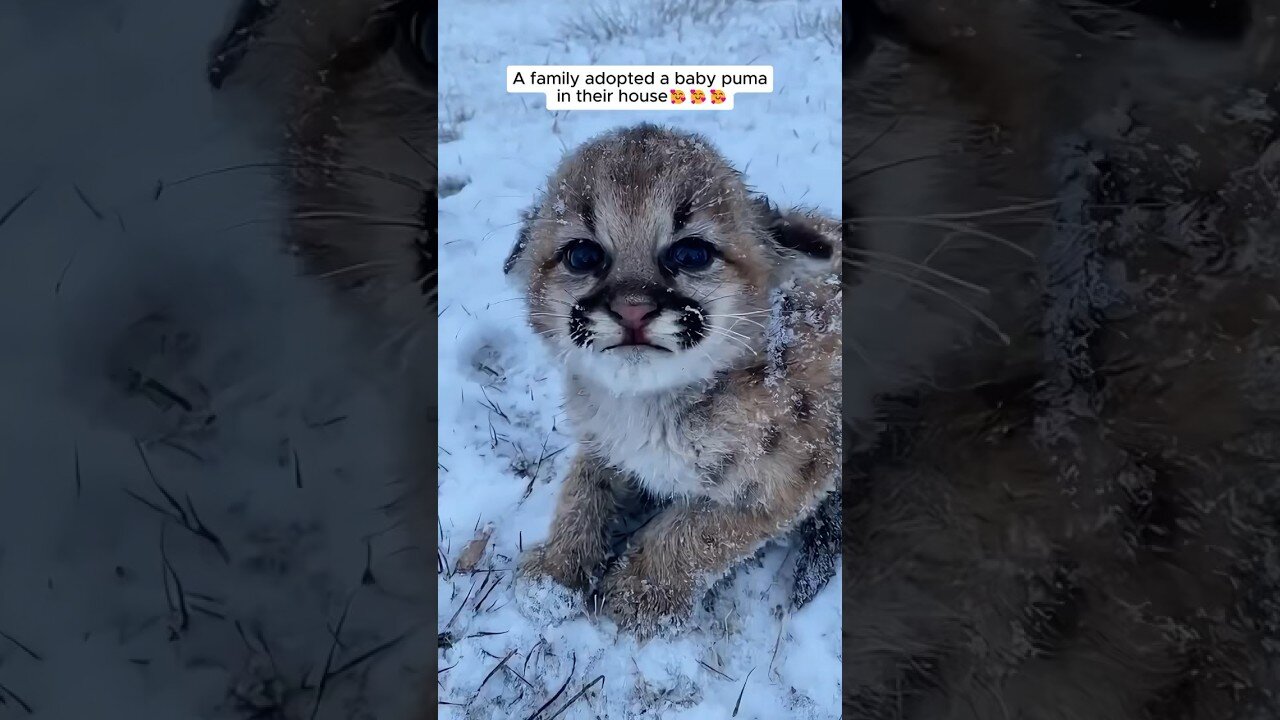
pixel 648 263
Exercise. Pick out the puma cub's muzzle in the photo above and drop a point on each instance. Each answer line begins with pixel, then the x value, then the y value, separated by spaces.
pixel 637 317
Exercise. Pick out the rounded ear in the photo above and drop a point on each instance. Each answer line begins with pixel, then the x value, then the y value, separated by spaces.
pixel 251 18
pixel 279 46
pixel 806 243
pixel 517 260
pixel 865 23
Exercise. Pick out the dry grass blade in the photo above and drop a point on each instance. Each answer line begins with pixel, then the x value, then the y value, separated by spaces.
pixel 84 199
pixel 484 597
pixel 462 605
pixel 6 692
pixel 777 641
pixel 368 654
pixel 79 478
pixel 718 672
pixel 574 699
pixel 34 655
pixel 559 692
pixel 14 207
pixel 325 674
pixel 737 705
pixel 173 502
pixel 520 677
pixel 188 519
pixel 177 596
pixel 200 529
pixel 529 654
pixel 495 670
pixel 442 563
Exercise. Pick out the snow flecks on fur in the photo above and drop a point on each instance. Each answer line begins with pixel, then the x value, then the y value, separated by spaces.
pixel 798 312
pixel 545 603
pixel 504 436
pixel 781 334
pixel 818 551
pixel 1078 291
pixel 1227 252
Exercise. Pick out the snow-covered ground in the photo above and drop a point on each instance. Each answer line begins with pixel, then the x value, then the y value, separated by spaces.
pixel 153 345
pixel 503 444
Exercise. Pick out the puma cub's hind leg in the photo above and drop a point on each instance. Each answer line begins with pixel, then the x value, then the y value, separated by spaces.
pixel 578 542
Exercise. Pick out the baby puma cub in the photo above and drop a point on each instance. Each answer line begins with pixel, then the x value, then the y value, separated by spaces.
pixel 699 332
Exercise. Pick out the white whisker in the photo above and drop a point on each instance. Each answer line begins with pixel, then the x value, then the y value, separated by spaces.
pixel 924 268
pixel 944 224
pixel 737 319
pixel 982 317
pixel 727 336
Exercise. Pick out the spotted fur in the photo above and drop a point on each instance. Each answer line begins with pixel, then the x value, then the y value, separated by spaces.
pixel 702 421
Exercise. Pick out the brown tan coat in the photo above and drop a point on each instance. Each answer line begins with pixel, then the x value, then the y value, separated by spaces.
pixel 734 419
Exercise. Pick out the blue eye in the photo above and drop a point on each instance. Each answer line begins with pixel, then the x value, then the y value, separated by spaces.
pixel 583 256
pixel 691 253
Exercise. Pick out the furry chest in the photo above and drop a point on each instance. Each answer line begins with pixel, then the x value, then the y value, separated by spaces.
pixel 646 437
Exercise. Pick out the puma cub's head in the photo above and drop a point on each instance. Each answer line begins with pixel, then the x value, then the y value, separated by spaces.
pixel 649 265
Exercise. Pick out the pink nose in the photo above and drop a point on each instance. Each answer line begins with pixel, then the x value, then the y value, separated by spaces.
pixel 634 315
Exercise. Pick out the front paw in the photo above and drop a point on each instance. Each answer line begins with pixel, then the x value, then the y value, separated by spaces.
pixel 645 600
pixel 551 561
